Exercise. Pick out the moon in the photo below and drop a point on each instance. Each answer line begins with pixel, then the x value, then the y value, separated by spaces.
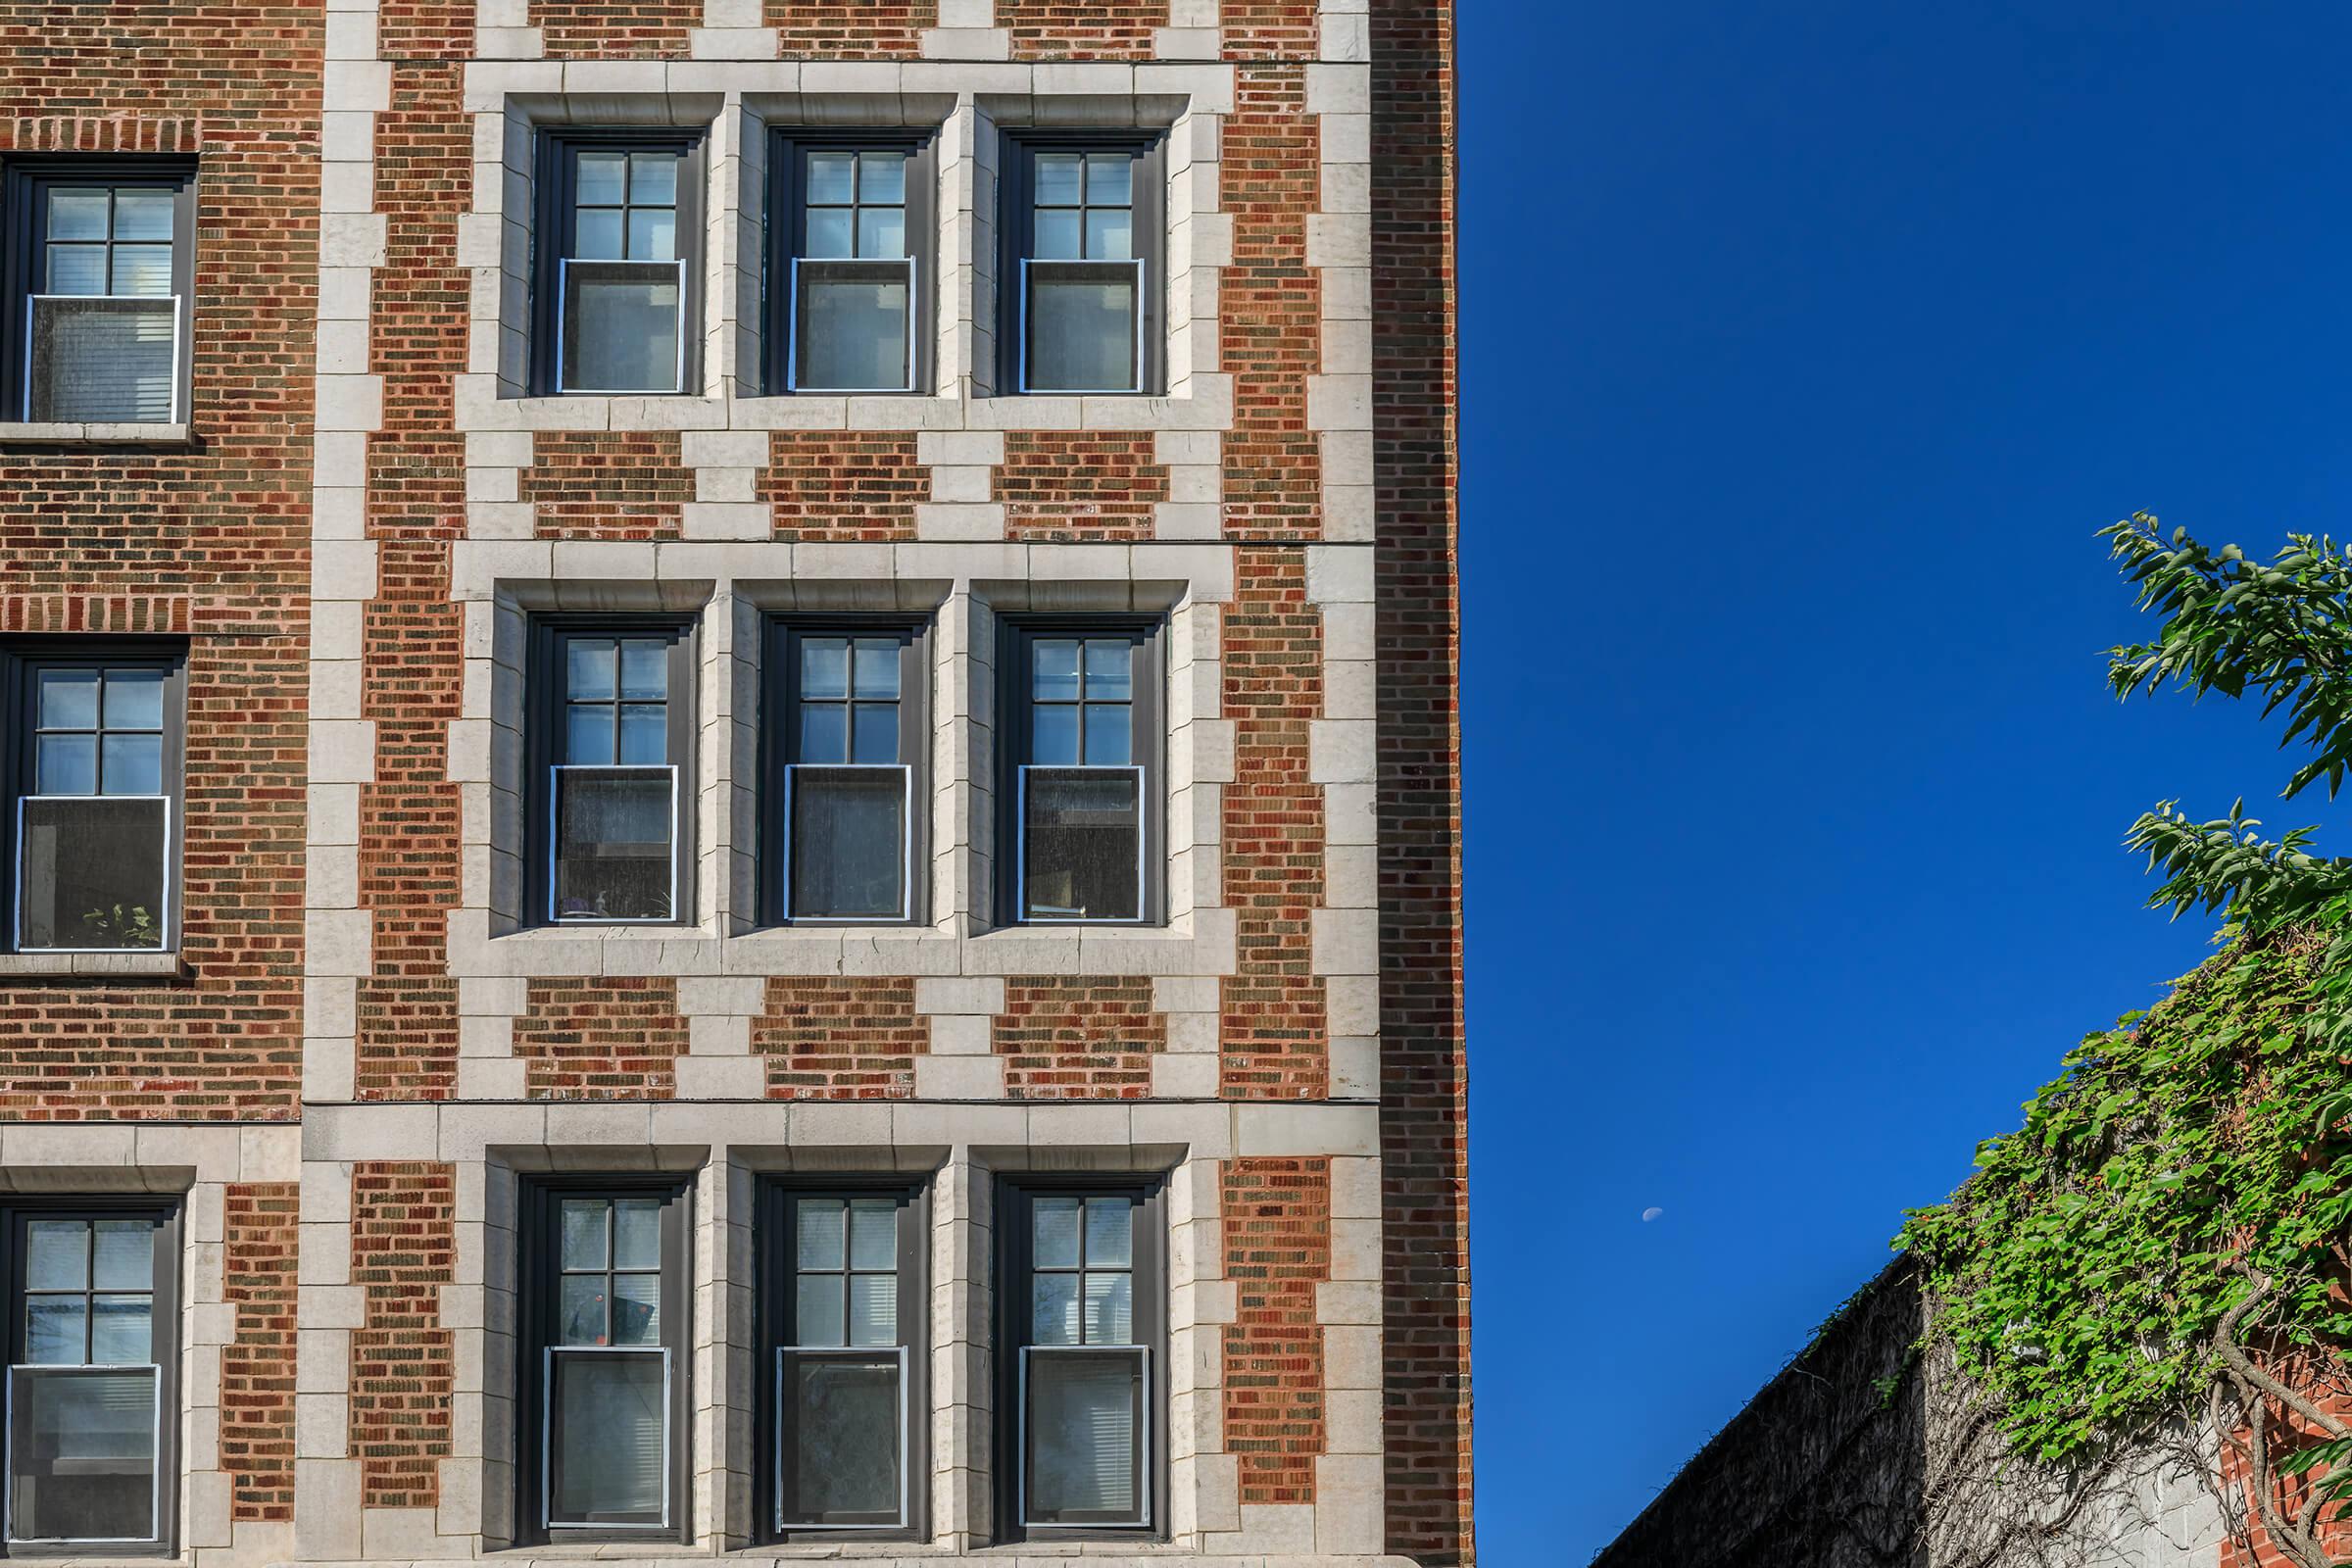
pixel 1649 1214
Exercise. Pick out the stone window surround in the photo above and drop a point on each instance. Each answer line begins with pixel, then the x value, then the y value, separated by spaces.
pixel 737 101
pixel 199 1163
pixel 957 1150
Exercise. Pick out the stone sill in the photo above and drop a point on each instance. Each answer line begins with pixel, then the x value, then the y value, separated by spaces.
pixel 90 966
pixel 1207 404
pixel 95 435
pixel 900 1555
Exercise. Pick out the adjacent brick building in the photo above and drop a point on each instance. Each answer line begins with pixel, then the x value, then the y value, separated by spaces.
pixel 795 669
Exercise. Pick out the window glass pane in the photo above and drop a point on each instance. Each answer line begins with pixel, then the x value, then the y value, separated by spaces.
pixel 121 1330
pixel 654 235
pixel 643 668
pixel 133 765
pixel 1110 667
pixel 832 231
pixel 68 699
pixel 842 1445
pixel 818 1313
pixel 1082 1435
pixel 597 178
pixel 822 1226
pixel 849 850
pixel 1110 235
pixel 583 1226
pixel 55 1330
pixel 81 1452
pixel 1082 328
pixel 612 844
pixel 652 179
pixel 637 1233
pixel 1083 845
pixel 92 873
pixel 824 667
pixel 1109 1232
pixel 620 328
pixel 873 1309
pixel 580 1309
pixel 824 733
pixel 66 765
pixel 875 733
pixel 644 733
pixel 1054 1235
pixel 1109 1309
pixel 78 212
pixel 604 1441
pixel 1109 734
pixel 134 699
pixel 1109 179
pixel 882 178
pixel 77 269
pixel 882 231
pixel 1054 1308
pixel 123 1254
pixel 829 178
pixel 1053 669
pixel 588 669
pixel 1053 734
pixel 57 1255
pixel 850 328
pixel 873 1233
pixel 143 270
pixel 878 667
pixel 1057 235
pixel 104 359
pixel 143 212
pixel 597 234
pixel 1056 177
pixel 636 1309
pixel 588 733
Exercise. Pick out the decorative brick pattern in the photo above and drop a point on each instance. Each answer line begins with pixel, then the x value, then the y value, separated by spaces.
pixel 1277 1216
pixel 842 487
pixel 1272 305
pixel 840 1036
pixel 1081 29
pixel 1059 484
pixel 591 484
pixel 612 1039
pixel 407 1045
pixel 1079 1039
pixel 256 1368
pixel 403 1251
pixel 851 29
pixel 1268 29
pixel 615 30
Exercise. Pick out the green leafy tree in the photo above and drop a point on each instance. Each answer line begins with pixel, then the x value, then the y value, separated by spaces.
pixel 2165 1239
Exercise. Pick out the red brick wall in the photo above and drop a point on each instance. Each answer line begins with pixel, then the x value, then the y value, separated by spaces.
pixel 1269 30
pixel 2287 1433
pixel 1424 1081
pixel 596 484
pixel 615 30
pixel 851 29
pixel 840 1036
pixel 1064 1039
pixel 1271 307
pixel 1277 1218
pixel 839 486
pixel 610 1039
pixel 403 1251
pixel 1059 484
pixel 406 1047
pixel 257 1369
pixel 1081 29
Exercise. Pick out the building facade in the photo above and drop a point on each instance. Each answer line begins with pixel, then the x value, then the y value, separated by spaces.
pixel 734 808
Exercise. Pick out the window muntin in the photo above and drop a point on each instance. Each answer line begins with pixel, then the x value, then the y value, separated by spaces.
pixel 99 303
pixel 605 1309
pixel 852 716
pixel 93 829
pixel 1084 265
pixel 846 1310
pixel 617 738
pixel 1083 748
pixel 620 291
pixel 851 261
pixel 89 1379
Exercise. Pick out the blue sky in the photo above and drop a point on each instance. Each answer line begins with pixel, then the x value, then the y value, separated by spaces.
pixel 1805 346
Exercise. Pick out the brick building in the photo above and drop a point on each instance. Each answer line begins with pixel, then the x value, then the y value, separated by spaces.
pixel 734 820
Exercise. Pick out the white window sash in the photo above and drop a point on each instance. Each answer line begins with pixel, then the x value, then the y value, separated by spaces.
pixel 677 385
pixel 178 315
pixel 547 1435
pixel 155 1452
pixel 1136 262
pixel 1143 1438
pixel 1020 848
pixel 906 844
pixel 791 311
pixel 676 915
pixel 163 916
pixel 784 1355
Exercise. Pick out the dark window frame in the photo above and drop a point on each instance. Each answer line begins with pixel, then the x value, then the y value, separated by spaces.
pixel 165 1346
pixel 786 234
pixel 1016 221
pixel 543 743
pixel 19 661
pixel 538 1301
pixel 1149 749
pixel 1014 1331
pixel 554 210
pixel 24 215
pixel 775 1306
pixel 779 744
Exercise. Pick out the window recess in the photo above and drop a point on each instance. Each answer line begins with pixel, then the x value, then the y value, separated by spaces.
pixel 1084 265
pixel 100 291
pixel 620 253
pixel 1082 744
pixel 849 743
pixel 851 262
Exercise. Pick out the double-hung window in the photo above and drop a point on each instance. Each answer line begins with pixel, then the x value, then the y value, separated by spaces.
pixel 615 739
pixel 1081 742
pixel 842 1322
pixel 851 269
pixel 605 1399
pixel 101 284
pixel 1083 263
pixel 621 221
pixel 848 732
pixel 1082 1339
pixel 90 1401
pixel 93 821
